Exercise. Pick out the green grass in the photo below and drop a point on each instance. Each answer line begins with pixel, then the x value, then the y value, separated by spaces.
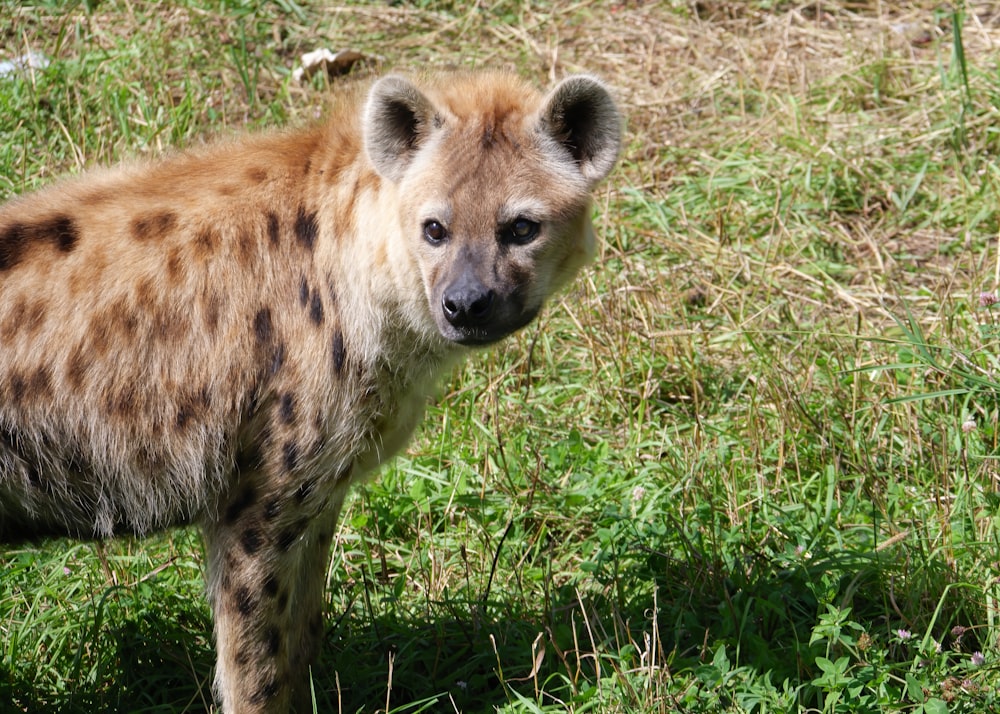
pixel 748 463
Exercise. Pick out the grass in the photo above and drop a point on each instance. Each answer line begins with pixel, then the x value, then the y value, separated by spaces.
pixel 748 464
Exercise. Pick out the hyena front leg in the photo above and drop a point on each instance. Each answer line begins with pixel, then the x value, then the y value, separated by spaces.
pixel 308 605
pixel 267 565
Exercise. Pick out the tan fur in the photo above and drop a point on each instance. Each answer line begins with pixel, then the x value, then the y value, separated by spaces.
pixel 234 335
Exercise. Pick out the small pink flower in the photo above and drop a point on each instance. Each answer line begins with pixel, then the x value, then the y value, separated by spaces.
pixel 977 659
pixel 988 299
pixel 904 635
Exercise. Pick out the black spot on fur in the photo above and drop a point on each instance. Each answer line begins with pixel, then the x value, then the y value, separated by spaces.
pixel 277 358
pixel 40 382
pixel 77 367
pixel 59 230
pixel 248 459
pixel 303 491
pixel 306 228
pixel 273 228
pixel 191 406
pixel 18 387
pixel 123 402
pixel 153 226
pixel 263 328
pixel 238 505
pixel 272 638
pixel 303 292
pixel 338 352
pixel 245 247
pixel 12 243
pixel 257 174
pixel 282 599
pixel 286 408
pixel 272 509
pixel 271 585
pixel 290 455
pixel 316 309
pixel 242 657
pixel 244 601
pixel 206 241
pixel 268 690
pixel 250 540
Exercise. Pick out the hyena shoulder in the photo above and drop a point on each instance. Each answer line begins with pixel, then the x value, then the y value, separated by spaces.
pixel 234 334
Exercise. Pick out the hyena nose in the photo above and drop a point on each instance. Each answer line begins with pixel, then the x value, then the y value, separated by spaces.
pixel 468 303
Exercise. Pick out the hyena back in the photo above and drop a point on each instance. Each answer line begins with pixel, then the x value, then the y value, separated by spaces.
pixel 235 335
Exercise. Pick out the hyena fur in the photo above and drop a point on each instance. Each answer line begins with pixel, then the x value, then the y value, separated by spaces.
pixel 233 335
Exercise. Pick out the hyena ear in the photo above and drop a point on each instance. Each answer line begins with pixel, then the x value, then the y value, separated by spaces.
pixel 581 115
pixel 397 120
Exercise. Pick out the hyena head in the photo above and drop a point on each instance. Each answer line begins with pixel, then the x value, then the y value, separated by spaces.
pixel 494 183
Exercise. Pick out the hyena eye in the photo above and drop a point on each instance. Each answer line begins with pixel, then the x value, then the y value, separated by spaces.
pixel 521 231
pixel 434 232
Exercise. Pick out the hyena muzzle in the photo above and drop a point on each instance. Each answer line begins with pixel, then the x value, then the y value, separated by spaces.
pixel 233 335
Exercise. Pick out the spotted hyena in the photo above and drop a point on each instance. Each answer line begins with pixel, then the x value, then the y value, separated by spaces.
pixel 234 335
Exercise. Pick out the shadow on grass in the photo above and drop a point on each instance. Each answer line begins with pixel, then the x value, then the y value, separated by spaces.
pixel 765 610
pixel 473 657
pixel 143 659
pixel 158 666
pixel 776 613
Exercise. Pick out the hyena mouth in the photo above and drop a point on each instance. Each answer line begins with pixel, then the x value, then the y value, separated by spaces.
pixel 482 338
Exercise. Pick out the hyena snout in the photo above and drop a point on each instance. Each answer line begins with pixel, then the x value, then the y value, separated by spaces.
pixel 473 312
pixel 468 304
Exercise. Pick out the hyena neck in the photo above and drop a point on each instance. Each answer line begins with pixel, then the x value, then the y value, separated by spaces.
pixel 397 362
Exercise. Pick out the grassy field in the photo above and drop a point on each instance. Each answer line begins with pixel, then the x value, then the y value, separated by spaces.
pixel 748 464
